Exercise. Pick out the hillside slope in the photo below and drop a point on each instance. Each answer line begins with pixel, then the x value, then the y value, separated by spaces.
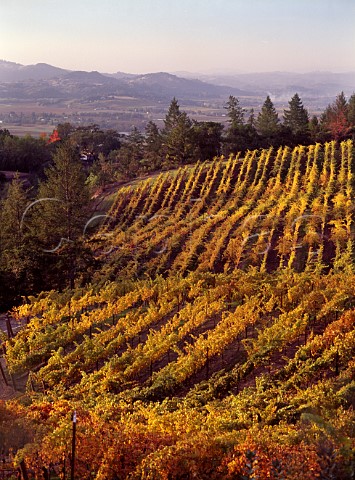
pixel 217 338
pixel 271 209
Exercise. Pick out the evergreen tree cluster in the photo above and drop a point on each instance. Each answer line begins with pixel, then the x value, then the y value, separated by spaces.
pixel 41 239
pixel 183 140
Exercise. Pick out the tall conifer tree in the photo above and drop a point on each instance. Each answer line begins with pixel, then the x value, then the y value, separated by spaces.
pixel 297 120
pixel 268 123
pixel 63 209
pixel 11 233
pixel 235 112
pixel 351 110
pixel 153 146
pixel 18 248
pixel 177 136
pixel 239 136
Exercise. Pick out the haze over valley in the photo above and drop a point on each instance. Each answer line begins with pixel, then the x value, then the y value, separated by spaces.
pixel 34 98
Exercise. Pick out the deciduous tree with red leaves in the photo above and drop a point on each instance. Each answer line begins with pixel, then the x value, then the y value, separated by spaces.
pixel 54 137
pixel 335 118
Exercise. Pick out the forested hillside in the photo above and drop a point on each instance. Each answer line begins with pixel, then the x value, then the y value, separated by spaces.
pixel 215 336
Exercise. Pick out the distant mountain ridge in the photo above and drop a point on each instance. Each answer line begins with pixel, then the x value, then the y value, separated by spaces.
pixel 15 72
pixel 282 83
pixel 44 81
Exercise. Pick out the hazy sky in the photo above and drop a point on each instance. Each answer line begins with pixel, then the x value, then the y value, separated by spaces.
pixel 142 36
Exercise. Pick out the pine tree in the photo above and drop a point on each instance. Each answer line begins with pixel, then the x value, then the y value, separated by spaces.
pixel 235 112
pixel 239 136
pixel 268 123
pixel 351 112
pixel 11 233
pixel 18 251
pixel 297 120
pixel 251 119
pixel 64 216
pixel 62 210
pixel 172 117
pixel 177 136
pixel 153 146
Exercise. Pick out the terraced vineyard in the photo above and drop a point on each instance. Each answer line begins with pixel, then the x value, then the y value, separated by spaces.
pixel 289 209
pixel 217 338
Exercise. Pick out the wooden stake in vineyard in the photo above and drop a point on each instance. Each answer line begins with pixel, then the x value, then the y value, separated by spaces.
pixel 72 474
